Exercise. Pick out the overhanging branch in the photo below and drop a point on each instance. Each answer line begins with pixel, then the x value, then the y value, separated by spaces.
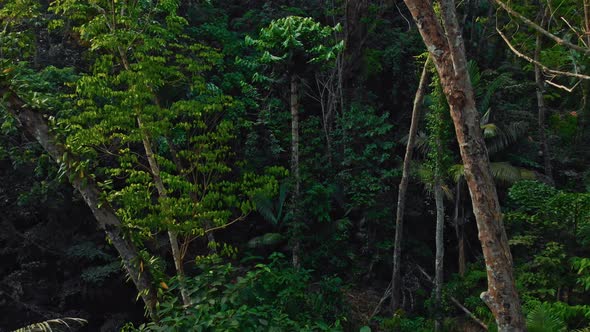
pixel 543 67
pixel 539 29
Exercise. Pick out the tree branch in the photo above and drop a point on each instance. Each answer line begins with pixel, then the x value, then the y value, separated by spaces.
pixel 531 60
pixel 539 29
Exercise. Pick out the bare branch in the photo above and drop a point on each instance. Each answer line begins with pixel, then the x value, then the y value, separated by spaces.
pixel 563 87
pixel 545 68
pixel 544 32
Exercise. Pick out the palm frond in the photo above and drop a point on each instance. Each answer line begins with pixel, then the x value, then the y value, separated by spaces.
pixel 506 136
pixel 489 130
pixel 283 193
pixel 542 319
pixel 58 324
pixel 502 172
pixel 484 102
pixel 264 207
pixel 273 211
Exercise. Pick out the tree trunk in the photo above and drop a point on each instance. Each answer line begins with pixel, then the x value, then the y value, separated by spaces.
pixel 541 103
pixel 34 124
pixel 403 187
pixel 458 220
pixel 448 52
pixel 172 236
pixel 296 234
pixel 585 111
pixel 194 197
pixel 440 251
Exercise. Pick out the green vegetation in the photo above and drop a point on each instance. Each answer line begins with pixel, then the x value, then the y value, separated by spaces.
pixel 172 165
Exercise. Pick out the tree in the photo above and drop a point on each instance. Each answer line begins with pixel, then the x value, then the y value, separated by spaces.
pixel 34 124
pixel 437 163
pixel 403 186
pixel 292 45
pixel 448 54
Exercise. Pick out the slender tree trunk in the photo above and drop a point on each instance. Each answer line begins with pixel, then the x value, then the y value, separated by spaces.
pixel 459 232
pixel 440 252
pixel 541 103
pixel 403 187
pixel 172 236
pixel 448 52
pixel 585 110
pixel 296 240
pixel 155 169
pixel 34 125
pixel 194 197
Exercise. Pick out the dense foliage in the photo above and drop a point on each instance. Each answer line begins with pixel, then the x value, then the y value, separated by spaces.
pixel 251 152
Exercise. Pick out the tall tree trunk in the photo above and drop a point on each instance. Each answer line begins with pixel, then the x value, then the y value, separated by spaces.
pixel 403 187
pixel 448 52
pixel 541 102
pixel 172 236
pixel 34 125
pixel 440 252
pixel 296 236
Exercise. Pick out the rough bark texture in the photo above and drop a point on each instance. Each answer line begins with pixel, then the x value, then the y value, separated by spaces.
pixel 403 187
pixel 34 125
pixel 541 105
pixel 172 236
pixel 448 54
pixel 440 252
pixel 294 104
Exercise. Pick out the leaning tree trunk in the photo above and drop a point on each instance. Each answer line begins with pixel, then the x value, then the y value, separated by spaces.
pixel 440 252
pixel 172 235
pixel 541 104
pixel 448 52
pixel 34 124
pixel 296 229
pixel 403 187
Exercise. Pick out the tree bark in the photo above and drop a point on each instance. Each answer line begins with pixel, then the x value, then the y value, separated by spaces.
pixel 403 187
pixel 448 53
pixel 440 252
pixel 172 235
pixel 294 105
pixel 541 103
pixel 34 125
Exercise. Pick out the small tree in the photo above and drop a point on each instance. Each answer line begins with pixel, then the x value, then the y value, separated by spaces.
pixel 291 46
